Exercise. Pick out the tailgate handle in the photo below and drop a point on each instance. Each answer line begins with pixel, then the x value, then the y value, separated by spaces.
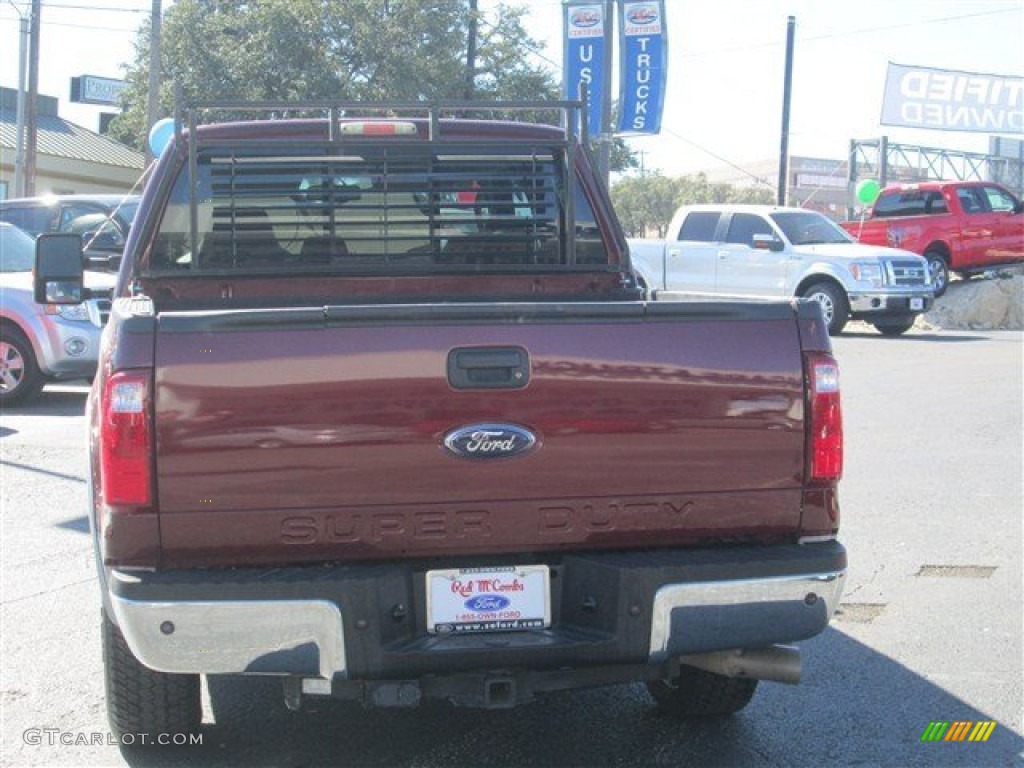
pixel 488 368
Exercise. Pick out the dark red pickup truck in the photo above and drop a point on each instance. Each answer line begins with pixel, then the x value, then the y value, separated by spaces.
pixel 380 411
pixel 966 227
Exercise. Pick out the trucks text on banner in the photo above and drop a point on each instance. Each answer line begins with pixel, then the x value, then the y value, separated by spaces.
pixel 643 52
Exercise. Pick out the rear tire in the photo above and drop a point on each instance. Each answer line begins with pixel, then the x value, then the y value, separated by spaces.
pixel 141 701
pixel 697 693
pixel 834 305
pixel 20 377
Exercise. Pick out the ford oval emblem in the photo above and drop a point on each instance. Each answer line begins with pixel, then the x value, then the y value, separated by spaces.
pixel 584 18
pixel 489 441
pixel 641 15
pixel 487 603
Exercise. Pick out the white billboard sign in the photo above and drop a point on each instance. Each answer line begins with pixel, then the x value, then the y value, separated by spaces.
pixel 948 100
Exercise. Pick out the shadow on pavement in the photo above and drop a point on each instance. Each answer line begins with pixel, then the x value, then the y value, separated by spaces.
pixel 76 524
pixel 855 707
pixel 932 337
pixel 46 472
pixel 54 400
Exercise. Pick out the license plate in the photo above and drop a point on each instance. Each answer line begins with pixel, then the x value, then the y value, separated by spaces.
pixel 488 599
pixel 917 303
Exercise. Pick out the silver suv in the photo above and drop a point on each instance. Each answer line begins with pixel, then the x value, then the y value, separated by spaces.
pixel 103 221
pixel 39 342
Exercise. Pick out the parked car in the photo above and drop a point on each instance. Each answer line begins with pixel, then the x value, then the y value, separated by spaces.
pixel 967 227
pixel 762 250
pixel 103 221
pixel 43 342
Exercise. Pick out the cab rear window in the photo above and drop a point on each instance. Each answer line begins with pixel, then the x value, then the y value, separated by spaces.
pixel 912 202
pixel 404 209
pixel 699 226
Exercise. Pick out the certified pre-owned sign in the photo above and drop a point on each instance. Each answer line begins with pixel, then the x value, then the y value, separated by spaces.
pixel 948 100
pixel 489 441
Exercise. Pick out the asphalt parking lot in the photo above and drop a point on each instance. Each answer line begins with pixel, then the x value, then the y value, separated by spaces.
pixel 929 630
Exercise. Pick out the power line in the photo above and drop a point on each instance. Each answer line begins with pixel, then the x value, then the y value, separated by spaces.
pixel 850 33
pixel 532 49
pixel 830 36
pixel 68 25
pixel 922 22
pixel 105 8
pixel 718 157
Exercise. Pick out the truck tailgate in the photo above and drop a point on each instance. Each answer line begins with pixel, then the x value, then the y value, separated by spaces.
pixel 319 434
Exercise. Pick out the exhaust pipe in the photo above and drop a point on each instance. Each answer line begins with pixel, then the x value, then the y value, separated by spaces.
pixel 780 663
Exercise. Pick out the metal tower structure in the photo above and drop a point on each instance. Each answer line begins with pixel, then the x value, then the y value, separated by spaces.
pixel 889 162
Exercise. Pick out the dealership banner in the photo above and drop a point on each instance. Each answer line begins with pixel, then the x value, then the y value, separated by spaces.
pixel 949 100
pixel 643 51
pixel 585 41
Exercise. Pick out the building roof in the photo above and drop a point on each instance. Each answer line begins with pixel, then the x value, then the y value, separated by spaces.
pixel 58 137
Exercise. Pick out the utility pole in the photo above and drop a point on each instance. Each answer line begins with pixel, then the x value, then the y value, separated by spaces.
pixel 786 93
pixel 605 139
pixel 32 120
pixel 19 143
pixel 467 93
pixel 153 95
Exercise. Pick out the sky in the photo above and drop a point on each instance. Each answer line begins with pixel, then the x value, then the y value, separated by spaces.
pixel 725 69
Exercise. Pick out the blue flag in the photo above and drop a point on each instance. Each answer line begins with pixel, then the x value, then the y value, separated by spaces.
pixel 585 39
pixel 643 56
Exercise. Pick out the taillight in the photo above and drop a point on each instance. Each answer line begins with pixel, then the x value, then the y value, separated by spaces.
pixel 125 441
pixel 825 443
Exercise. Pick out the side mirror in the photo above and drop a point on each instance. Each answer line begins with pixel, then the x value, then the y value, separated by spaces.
pixel 767 243
pixel 59 276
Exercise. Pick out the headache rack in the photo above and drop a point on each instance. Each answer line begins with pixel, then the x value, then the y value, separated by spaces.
pixel 384 187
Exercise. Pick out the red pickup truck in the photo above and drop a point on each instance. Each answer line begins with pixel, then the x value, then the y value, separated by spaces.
pixel 381 412
pixel 961 226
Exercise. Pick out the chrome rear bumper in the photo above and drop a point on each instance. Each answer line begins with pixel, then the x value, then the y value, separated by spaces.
pixel 686 617
pixel 303 637
pixel 307 624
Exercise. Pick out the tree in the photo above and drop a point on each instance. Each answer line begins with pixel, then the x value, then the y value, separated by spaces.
pixel 358 50
pixel 645 204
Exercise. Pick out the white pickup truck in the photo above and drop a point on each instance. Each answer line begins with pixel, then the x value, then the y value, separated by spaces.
pixel 761 250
